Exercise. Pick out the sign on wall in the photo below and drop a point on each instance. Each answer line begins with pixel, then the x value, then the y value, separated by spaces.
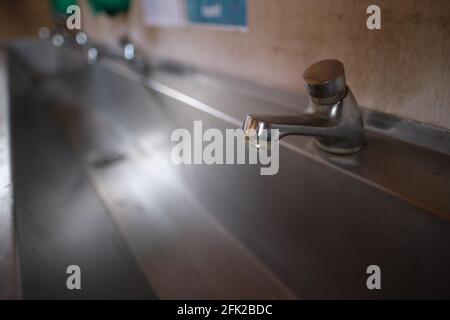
pixel 164 13
pixel 229 13
pixel 224 13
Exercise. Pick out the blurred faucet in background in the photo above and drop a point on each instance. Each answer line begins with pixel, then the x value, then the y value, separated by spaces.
pixel 61 36
pixel 126 52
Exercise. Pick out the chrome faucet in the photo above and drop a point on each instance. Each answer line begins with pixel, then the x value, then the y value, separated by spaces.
pixel 332 117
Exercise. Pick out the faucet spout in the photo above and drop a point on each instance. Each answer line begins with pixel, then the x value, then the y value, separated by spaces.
pixel 333 116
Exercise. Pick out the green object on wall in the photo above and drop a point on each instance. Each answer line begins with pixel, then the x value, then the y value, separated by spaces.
pixel 111 7
pixel 60 6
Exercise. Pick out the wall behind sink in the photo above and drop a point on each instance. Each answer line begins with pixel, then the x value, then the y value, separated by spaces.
pixel 23 18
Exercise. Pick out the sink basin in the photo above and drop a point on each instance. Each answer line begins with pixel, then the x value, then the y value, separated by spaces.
pixel 94 186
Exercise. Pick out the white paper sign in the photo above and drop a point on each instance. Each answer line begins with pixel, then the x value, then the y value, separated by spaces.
pixel 164 13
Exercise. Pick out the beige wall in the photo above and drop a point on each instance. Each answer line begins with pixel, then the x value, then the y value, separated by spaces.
pixel 23 18
pixel 404 69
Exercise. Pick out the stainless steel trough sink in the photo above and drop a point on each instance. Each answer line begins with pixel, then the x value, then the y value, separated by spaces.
pixel 94 186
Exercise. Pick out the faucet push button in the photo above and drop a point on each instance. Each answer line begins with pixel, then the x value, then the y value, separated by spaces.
pixel 325 79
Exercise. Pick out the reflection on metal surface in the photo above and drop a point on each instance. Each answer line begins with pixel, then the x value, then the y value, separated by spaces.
pixel 421 134
pixel 174 94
